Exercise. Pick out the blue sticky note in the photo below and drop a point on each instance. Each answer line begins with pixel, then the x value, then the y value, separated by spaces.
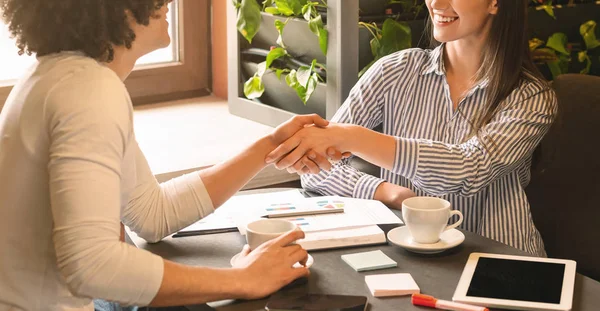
pixel 369 261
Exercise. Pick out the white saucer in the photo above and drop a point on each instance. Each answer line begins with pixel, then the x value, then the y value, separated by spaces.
pixel 309 261
pixel 449 239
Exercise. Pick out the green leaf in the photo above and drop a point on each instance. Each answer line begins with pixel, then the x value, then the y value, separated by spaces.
pixel 548 8
pixel 535 43
pixel 375 46
pixel 303 75
pixel 279 72
pixel 584 57
pixel 236 4
pixel 291 79
pixel 554 69
pixel 273 10
pixel 261 69
pixel 267 4
pixel 249 18
pixel 295 80
pixel 588 32
pixel 290 7
pixel 395 36
pixel 254 87
pixel 558 42
pixel 315 24
pixel 307 11
pixel 274 54
pixel 310 89
pixel 323 40
pixel 279 25
pixel 296 6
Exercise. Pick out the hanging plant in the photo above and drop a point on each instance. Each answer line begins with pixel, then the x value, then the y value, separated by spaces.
pixel 556 51
pixel 304 79
pixel 392 37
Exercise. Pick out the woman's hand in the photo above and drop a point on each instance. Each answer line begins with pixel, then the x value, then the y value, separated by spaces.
pixel 269 267
pixel 313 163
pixel 393 195
pixel 311 138
pixel 287 129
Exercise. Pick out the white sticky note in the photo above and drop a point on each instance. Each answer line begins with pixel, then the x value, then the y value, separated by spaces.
pixel 398 284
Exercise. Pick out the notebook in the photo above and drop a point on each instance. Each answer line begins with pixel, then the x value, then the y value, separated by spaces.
pixel 398 284
pixel 369 261
pixel 344 237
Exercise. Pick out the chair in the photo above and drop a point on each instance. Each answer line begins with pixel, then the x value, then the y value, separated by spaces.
pixel 564 192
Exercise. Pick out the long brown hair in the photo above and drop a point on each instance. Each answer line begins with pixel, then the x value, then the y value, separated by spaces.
pixel 506 60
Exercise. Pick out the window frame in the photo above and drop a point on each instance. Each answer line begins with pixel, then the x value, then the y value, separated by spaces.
pixel 190 76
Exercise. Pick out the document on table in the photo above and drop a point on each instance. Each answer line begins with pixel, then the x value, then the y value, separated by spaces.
pixel 241 206
pixel 357 213
pixel 240 210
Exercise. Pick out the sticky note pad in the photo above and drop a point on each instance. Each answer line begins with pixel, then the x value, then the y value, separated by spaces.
pixel 369 261
pixel 399 284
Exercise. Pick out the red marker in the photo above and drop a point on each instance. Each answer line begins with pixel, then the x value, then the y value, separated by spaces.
pixel 429 301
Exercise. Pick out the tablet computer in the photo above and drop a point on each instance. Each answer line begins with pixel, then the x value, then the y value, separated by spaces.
pixel 517 282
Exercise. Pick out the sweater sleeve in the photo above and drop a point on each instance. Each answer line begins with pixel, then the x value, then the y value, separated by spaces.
pixel 89 122
pixel 155 210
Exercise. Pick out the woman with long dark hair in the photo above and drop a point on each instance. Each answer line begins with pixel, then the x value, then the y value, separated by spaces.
pixel 460 121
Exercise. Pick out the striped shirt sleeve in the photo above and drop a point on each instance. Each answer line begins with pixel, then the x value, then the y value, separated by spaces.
pixel 363 107
pixel 511 136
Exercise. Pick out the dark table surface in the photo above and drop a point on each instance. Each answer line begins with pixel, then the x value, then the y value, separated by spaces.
pixel 436 275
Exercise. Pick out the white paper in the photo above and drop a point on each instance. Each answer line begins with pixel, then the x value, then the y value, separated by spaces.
pixel 250 206
pixel 357 213
pixel 240 210
pixel 212 221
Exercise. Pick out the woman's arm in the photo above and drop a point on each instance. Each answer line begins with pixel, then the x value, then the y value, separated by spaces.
pixel 364 107
pixel 437 167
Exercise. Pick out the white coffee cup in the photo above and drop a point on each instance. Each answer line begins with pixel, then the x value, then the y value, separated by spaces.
pixel 427 218
pixel 263 230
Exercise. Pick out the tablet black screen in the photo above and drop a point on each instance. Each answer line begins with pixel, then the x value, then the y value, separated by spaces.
pixel 517 280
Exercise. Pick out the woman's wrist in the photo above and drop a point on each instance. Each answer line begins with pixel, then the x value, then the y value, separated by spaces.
pixel 349 137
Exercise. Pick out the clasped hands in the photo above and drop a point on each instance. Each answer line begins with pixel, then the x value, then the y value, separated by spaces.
pixel 308 144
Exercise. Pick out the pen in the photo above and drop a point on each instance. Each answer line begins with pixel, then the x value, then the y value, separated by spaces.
pixel 303 213
pixel 430 301
pixel 182 234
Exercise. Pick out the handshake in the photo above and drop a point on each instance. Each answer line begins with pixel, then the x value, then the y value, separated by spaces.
pixel 308 144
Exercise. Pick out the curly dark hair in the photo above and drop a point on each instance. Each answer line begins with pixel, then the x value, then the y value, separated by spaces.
pixel 90 26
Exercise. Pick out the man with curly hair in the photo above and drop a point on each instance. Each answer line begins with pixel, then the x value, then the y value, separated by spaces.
pixel 72 171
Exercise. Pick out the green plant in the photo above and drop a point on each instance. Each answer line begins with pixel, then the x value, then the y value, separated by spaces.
pixel 393 36
pixel 412 7
pixel 556 52
pixel 304 79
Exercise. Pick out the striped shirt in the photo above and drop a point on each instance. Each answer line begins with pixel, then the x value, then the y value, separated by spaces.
pixel 436 154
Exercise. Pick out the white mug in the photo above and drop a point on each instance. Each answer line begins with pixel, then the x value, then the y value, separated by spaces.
pixel 263 230
pixel 427 218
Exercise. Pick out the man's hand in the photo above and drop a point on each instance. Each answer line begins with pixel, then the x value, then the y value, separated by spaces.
pixel 270 266
pixel 393 195
pixel 313 163
pixel 287 129
pixel 310 138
